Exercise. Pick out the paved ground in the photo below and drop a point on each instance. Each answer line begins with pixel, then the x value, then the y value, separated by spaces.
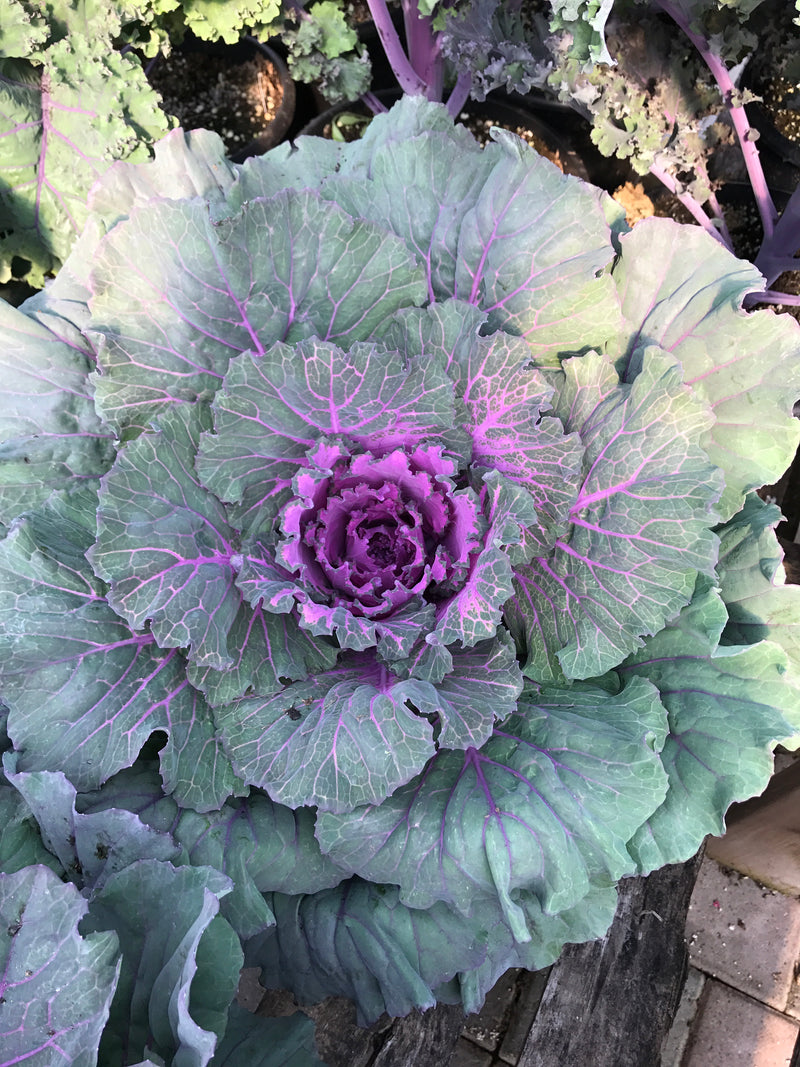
pixel 741 1001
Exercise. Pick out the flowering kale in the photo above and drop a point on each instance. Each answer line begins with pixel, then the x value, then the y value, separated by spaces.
pixel 382 578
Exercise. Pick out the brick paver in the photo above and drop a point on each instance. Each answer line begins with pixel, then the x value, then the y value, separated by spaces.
pixel 732 1030
pixel 744 934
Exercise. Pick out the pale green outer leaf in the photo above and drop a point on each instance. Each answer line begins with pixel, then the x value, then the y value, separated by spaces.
pixel 682 290
pixel 194 766
pixel 640 523
pixel 164 543
pixel 727 707
pixel 21 842
pixel 163 915
pixel 266 649
pixel 420 188
pixel 359 941
pixel 338 742
pixel 586 921
pixel 258 1042
pixel 304 164
pixel 760 606
pixel 51 436
pixel 274 407
pixel 84 692
pixel 90 847
pixel 547 806
pixel 532 253
pixel 64 124
pixel 282 269
pixel 186 164
pixel 261 846
pixel 56 985
pixel 410 117
pixel 502 399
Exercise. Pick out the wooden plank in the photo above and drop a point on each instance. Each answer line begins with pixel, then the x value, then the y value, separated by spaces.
pixel 763 835
pixel 610 1003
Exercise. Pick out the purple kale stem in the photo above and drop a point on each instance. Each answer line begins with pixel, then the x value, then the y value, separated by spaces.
pixel 777 253
pixel 423 49
pixel 407 78
pixel 692 205
pixel 458 97
pixel 373 103
pixel 752 161
pixel 772 296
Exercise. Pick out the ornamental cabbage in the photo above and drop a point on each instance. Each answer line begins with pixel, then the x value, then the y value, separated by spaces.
pixel 383 579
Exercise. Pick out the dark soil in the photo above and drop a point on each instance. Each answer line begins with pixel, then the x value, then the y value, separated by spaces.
pixel 237 101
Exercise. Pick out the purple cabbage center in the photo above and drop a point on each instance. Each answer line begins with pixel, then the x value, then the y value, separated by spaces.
pixel 373 531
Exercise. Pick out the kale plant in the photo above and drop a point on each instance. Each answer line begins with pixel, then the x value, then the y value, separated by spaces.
pixel 660 81
pixel 74 98
pixel 382 581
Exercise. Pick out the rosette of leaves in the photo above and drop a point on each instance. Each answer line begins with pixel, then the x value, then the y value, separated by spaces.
pixel 396 502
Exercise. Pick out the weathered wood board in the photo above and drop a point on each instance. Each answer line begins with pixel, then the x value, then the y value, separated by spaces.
pixel 610 1003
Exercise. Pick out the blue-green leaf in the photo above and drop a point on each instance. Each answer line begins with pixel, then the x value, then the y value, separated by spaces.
pixel 640 525
pixel 727 707
pixel 344 739
pixel 174 939
pixel 547 806
pixel 57 983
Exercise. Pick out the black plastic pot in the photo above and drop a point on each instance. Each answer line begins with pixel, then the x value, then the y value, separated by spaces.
pixel 241 52
pixel 557 127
